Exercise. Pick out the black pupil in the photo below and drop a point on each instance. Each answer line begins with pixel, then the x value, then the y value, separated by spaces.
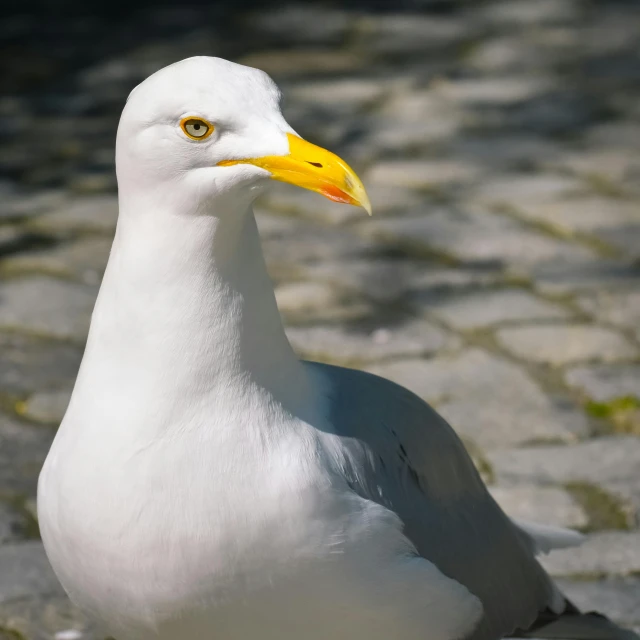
pixel 196 127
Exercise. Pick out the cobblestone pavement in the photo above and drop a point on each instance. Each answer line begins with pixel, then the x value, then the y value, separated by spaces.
pixel 499 277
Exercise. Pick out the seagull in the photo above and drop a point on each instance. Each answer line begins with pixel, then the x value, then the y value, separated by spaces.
pixel 205 482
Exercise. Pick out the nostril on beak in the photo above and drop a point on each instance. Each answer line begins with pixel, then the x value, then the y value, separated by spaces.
pixel 315 164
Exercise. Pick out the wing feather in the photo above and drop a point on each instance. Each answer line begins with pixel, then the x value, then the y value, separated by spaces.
pixel 394 449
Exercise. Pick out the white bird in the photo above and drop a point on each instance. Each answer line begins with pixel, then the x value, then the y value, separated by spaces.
pixel 205 482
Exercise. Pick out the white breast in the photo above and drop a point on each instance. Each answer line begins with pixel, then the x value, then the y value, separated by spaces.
pixel 280 550
pixel 131 531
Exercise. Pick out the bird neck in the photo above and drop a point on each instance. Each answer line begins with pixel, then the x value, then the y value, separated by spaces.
pixel 187 306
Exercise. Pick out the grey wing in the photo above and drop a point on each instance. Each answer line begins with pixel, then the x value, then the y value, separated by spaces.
pixel 399 452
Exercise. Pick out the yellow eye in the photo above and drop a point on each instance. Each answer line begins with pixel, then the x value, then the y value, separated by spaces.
pixel 196 128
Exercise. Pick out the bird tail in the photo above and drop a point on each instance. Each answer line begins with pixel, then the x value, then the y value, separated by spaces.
pixel 572 624
pixel 564 621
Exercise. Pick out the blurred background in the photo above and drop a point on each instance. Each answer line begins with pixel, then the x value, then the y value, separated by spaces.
pixel 499 277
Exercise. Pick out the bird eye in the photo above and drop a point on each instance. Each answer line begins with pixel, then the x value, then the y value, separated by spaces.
pixel 196 128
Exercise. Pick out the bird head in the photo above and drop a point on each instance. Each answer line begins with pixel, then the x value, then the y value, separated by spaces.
pixel 206 128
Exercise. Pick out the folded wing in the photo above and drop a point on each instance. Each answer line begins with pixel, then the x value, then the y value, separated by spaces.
pixel 394 449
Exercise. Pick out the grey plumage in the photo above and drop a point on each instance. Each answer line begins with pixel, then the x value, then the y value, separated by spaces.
pixel 418 467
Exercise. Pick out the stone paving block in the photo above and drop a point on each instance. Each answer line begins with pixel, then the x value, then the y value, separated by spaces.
pixel 281 64
pixel 486 399
pixel 615 31
pixel 395 134
pixel 84 259
pixel 616 223
pixel 614 166
pixel 379 279
pixel 505 152
pixel 412 33
pixel 525 190
pixel 521 13
pixel 606 382
pixel 93 182
pixel 618 598
pixel 23 449
pixel 610 463
pixel 344 96
pixel 303 24
pixel 413 118
pixel 25 571
pixel 17 205
pixel 10 236
pixel 492 90
pixel 586 214
pixel 387 281
pixel 48 307
pixel 423 174
pixel 620 308
pixel 319 302
pixel 624 237
pixel 292 296
pixel 301 242
pixel 10 523
pixel 598 460
pixel 575 276
pixel 50 617
pixel 561 344
pixel 612 553
pixel 557 112
pixel 546 505
pixel 340 345
pixel 47 407
pixel 97 213
pixel 481 238
pixel 436 279
pixel 619 133
pixel 506 53
pixel 412 104
pixel 477 309
pixel 27 365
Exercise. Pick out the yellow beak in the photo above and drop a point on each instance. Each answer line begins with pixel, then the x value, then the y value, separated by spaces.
pixel 312 167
